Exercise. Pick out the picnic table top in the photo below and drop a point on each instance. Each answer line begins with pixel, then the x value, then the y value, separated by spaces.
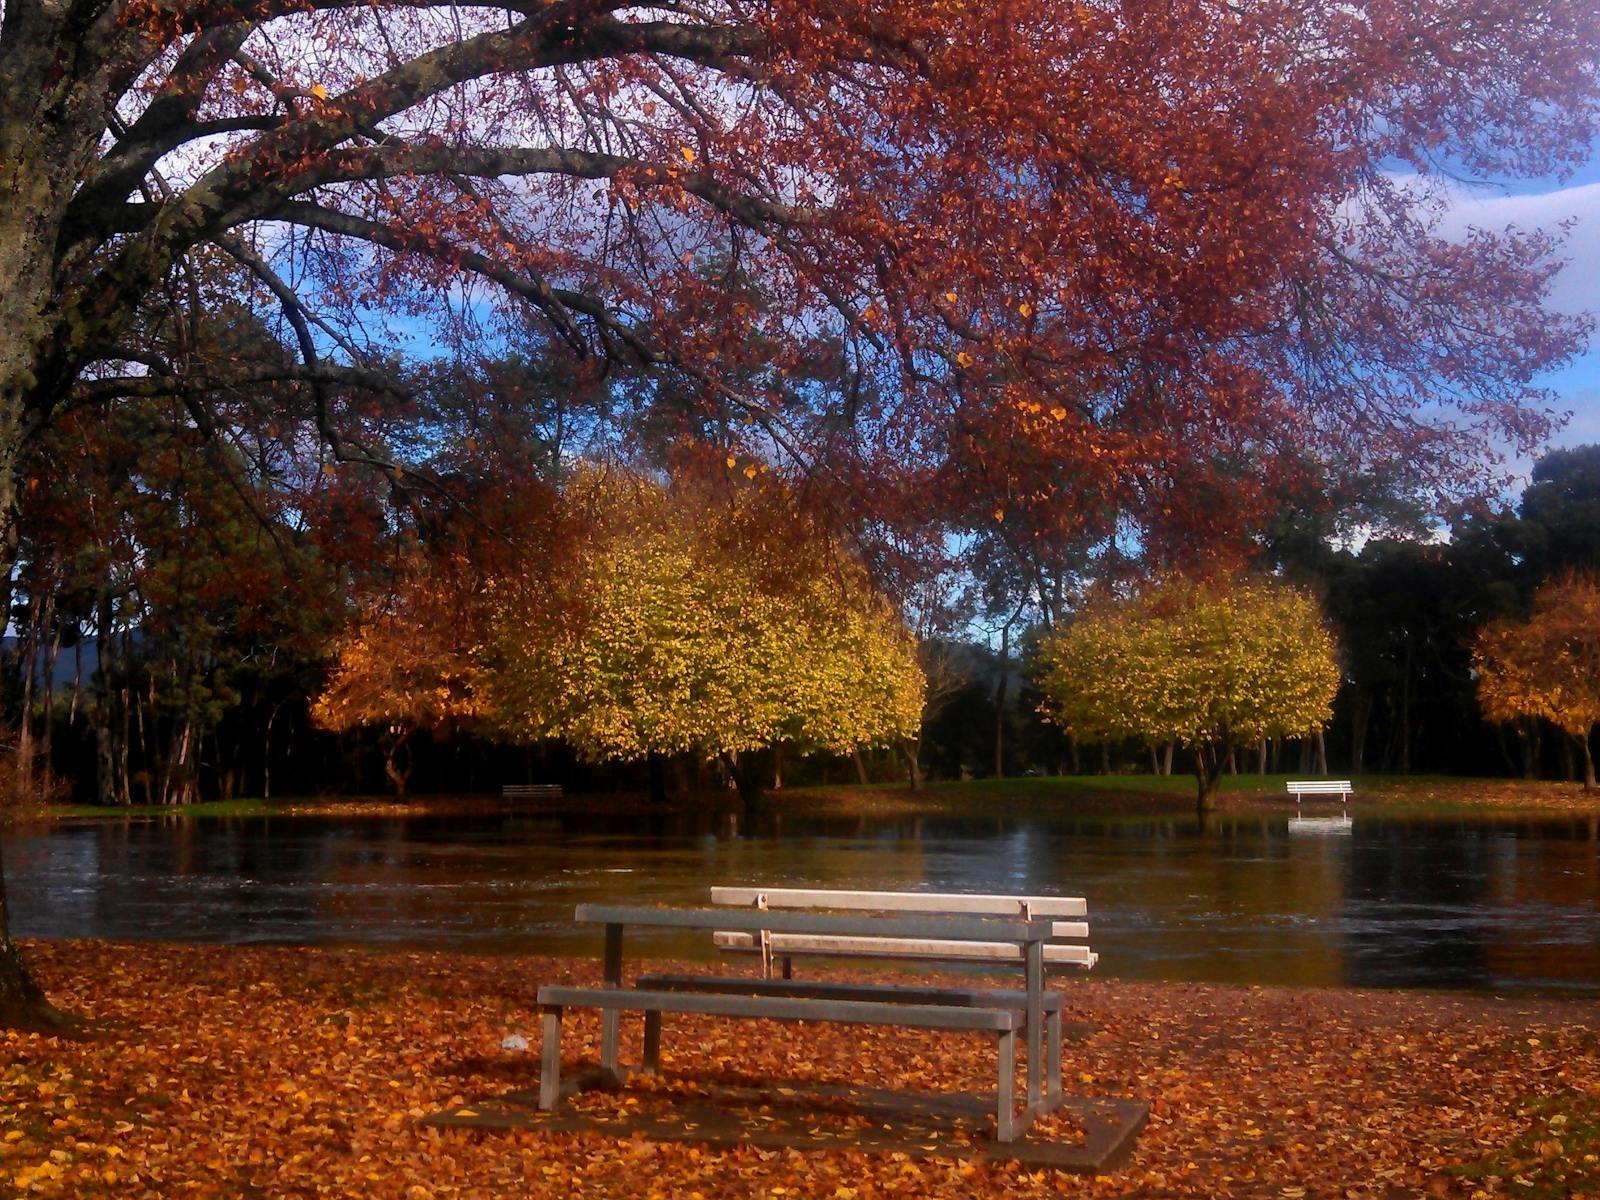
pixel 967 929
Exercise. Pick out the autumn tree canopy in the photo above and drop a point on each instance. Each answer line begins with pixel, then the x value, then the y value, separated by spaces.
pixel 1212 666
pixel 677 622
pixel 1077 258
pixel 678 630
pixel 1547 666
pixel 411 662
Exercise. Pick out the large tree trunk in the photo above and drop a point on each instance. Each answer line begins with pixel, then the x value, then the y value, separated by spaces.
pixel 911 751
pixel 1528 742
pixel 266 752
pixel 748 770
pixel 1405 714
pixel 657 770
pixel 22 1002
pixel 104 756
pixel 1208 759
pixel 397 761
pixel 1000 703
pixel 27 652
pixel 77 681
pixel 1588 761
pixel 47 741
pixel 1360 720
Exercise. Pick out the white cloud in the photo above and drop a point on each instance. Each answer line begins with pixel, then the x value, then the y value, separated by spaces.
pixel 1577 288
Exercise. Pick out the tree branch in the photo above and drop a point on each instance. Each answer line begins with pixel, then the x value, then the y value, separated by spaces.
pixel 541 294
pixel 118 387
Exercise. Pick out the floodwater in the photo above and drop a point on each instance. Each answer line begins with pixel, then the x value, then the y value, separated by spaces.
pixel 1487 904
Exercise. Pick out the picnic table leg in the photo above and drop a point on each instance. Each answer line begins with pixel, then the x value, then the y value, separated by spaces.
pixel 652 1042
pixel 1005 1113
pixel 1035 972
pixel 611 1019
pixel 550 1062
pixel 1053 1054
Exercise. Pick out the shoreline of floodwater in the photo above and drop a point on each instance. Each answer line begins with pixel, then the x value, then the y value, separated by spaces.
pixel 1087 796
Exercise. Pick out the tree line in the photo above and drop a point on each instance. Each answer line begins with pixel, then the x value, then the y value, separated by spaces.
pixel 1410 610
pixel 186 648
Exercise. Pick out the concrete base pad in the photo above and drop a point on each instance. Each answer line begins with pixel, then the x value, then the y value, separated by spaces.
pixel 1097 1137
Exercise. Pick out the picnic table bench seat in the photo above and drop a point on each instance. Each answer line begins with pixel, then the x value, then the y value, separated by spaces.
pixel 1012 923
pixel 910 993
pixel 1002 1021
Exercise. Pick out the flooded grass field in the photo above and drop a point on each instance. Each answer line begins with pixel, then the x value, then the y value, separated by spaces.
pixel 1485 903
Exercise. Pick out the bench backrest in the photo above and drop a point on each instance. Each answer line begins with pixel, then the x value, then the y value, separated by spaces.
pixel 1318 787
pixel 531 789
pixel 1065 946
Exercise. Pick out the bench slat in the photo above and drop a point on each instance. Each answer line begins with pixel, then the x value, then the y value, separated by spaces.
pixel 895 947
pixel 781 1008
pixel 929 902
pixel 900 993
pixel 977 929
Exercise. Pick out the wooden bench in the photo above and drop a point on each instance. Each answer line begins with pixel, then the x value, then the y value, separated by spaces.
pixel 880 993
pixel 530 791
pixel 1064 948
pixel 999 1013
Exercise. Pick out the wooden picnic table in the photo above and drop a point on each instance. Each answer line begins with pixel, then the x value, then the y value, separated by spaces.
pixel 612 998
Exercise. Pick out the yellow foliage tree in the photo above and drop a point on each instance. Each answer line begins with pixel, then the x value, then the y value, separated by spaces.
pixel 1209 665
pixel 1548 665
pixel 412 662
pixel 674 631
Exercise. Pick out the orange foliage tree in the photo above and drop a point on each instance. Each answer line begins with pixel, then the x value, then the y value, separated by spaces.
pixel 1089 252
pixel 413 662
pixel 1080 257
pixel 1547 665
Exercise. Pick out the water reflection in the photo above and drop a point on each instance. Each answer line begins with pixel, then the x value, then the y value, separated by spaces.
pixel 1482 904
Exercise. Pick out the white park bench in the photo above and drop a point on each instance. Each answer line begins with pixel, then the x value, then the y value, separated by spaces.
pixel 1317 788
pixel 531 791
pixel 1300 788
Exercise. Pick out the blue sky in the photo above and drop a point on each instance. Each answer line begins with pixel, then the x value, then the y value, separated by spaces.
pixel 1536 203
pixel 1545 203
